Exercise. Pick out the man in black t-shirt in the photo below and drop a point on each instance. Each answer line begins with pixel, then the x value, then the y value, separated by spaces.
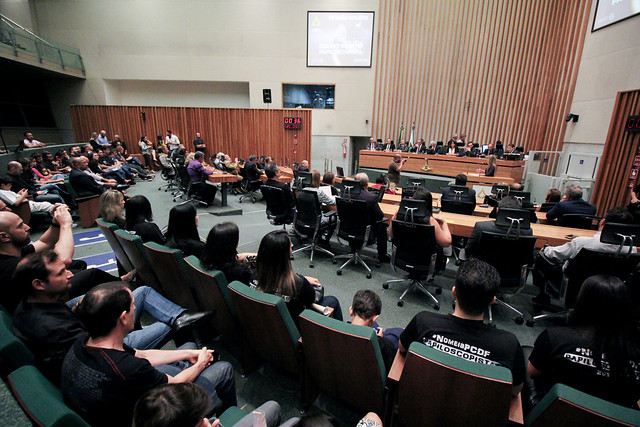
pixel 463 333
pixel 102 378
pixel 272 173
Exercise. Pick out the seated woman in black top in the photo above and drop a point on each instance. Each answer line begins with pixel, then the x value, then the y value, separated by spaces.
pixel 182 230
pixel 274 275
pixel 599 351
pixel 221 253
pixel 111 208
pixel 139 220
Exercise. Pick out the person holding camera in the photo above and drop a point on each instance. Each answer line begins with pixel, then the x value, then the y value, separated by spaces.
pixel 395 167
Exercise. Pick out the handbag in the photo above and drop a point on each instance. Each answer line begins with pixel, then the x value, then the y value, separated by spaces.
pixel 319 290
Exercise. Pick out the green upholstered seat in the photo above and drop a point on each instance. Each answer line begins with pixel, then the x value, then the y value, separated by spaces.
pixel 210 289
pixel 134 248
pixel 326 342
pixel 267 327
pixel 88 206
pixel 171 270
pixel 437 388
pixel 108 229
pixel 41 400
pixel 231 416
pixel 563 406
pixel 13 352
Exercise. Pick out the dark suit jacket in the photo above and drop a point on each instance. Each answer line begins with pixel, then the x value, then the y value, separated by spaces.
pixel 375 213
pixel 490 226
pixel 252 172
pixel 448 194
pixel 420 150
pixel 579 206
pixel 288 194
pixel 84 184
pixel 386 146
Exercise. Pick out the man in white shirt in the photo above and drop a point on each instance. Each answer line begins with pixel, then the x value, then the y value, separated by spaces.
pixel 102 140
pixel 30 142
pixel 172 141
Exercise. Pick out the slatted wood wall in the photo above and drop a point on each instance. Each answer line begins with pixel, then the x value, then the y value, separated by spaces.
pixel 235 131
pixel 611 188
pixel 493 69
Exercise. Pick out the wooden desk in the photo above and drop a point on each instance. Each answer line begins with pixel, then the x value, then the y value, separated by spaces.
pixel 219 177
pixel 286 175
pixel 506 170
pixel 461 225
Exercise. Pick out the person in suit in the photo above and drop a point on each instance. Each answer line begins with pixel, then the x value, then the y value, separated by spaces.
pixel 403 146
pixel 372 145
pixel 469 151
pixel 451 148
pixel 272 173
pixel 448 194
pixel 508 202
pixel 571 203
pixel 376 216
pixel 389 145
pixel 432 149
pixel 84 184
pixel 491 150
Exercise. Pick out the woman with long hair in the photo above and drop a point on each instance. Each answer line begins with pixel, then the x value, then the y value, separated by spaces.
pixel 139 220
pixel 491 167
pixel 599 351
pixel 182 230
pixel 221 253
pixel 274 275
pixel 325 200
pixel 112 208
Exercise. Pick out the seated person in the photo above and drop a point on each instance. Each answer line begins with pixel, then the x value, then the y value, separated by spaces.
pixel 326 201
pixel 511 149
pixel 274 275
pixel 199 175
pixel 403 146
pixel 571 203
pixel 304 166
pixel 41 193
pixel 182 230
pixel 273 173
pixel 553 196
pixel 42 171
pixel 187 405
pixel 221 253
pixel 375 217
pixel 49 326
pixel 15 243
pixel 389 145
pixel 251 171
pixel 84 184
pixel 450 149
pixel 30 142
pixel 11 198
pixel 448 194
pixel 463 333
pixel 552 261
pixel 102 377
pixel 491 150
pixel 112 208
pixel 420 148
pixel 329 178
pixel 598 352
pixel 365 310
pixel 469 151
pixel 508 202
pixel 139 220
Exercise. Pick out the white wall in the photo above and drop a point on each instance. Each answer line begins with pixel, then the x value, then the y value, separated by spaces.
pixel 610 63
pixel 138 51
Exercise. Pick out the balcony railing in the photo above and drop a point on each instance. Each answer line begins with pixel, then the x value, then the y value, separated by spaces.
pixel 22 42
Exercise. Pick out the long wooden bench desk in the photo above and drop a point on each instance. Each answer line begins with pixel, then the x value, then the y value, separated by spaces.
pixel 461 225
pixel 224 178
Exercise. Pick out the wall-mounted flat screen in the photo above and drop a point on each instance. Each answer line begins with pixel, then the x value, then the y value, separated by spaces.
pixel 609 12
pixel 339 39
pixel 308 96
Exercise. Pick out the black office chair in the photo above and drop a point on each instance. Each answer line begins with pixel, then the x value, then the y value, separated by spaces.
pixel 585 222
pixel 340 171
pixel 464 208
pixel 308 222
pixel 353 226
pixel 250 188
pixel 414 251
pixel 417 182
pixel 547 206
pixel 620 263
pixel 278 210
pixel 185 187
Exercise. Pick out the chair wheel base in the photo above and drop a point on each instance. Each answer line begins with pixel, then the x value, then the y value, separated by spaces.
pixel 385 286
pixel 368 275
pixel 519 320
pixel 436 307
pixel 531 322
pixel 335 261
pixel 400 303
pixel 339 272
pixel 438 291
pixel 310 265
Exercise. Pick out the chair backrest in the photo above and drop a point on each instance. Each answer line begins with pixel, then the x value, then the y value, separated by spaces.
pixel 464 208
pixel 108 229
pixel 308 211
pixel 413 246
pixel 210 289
pixel 563 406
pixel 589 263
pixel 547 206
pixel 326 341
pixel 514 219
pixel 508 254
pixel 41 400
pixel 13 352
pixel 417 182
pixel 413 210
pixel 184 180
pixel 440 389
pixel 351 187
pixel 500 190
pixel 577 221
pixel 278 209
pixel 267 326
pixel 171 270
pixel 340 170
pixel 134 248
pixel 354 219
pixel 23 210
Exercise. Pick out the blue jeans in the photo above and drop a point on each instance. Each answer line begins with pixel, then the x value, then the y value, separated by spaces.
pixel 145 299
pixel 331 301
pixel 217 380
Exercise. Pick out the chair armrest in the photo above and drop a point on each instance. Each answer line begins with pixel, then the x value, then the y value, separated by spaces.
pixel 322 309
pixel 85 198
pixel 397 367
pixel 515 410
